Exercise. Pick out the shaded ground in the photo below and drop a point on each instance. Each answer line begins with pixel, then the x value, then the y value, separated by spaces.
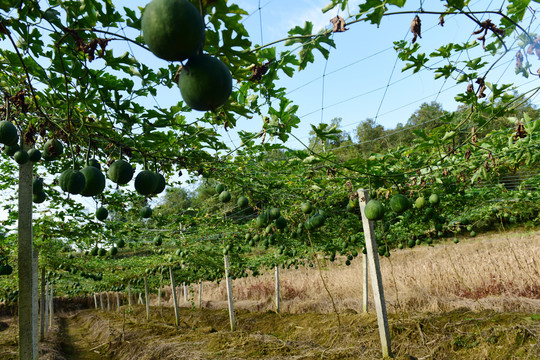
pixel 75 343
pixel 204 334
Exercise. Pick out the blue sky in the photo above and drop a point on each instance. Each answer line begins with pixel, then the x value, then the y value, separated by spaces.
pixel 362 77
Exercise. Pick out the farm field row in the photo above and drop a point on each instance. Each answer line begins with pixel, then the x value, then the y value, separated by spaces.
pixel 461 311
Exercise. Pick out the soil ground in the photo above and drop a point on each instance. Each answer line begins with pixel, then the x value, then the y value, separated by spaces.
pixel 204 334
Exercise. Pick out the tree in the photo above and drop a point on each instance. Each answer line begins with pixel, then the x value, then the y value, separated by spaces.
pixel 175 200
pixel 370 137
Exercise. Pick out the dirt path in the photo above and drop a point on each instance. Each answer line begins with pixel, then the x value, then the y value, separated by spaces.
pixel 76 343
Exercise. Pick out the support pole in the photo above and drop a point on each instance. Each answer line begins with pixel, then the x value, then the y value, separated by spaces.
pixel 117 301
pixel 51 306
pixel 46 308
pixel 175 302
pixel 146 297
pixel 376 277
pixel 35 302
pixel 277 289
pixel 229 294
pixel 108 302
pixel 42 306
pixel 200 294
pixel 129 295
pixel 101 301
pixel 159 294
pixel 25 263
pixel 95 301
pixel 186 293
pixel 365 287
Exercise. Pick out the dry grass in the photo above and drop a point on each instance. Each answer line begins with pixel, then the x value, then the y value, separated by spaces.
pixel 494 271
pixel 460 334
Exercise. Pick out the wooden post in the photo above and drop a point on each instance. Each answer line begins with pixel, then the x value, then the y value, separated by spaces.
pixel 175 302
pixel 51 306
pixel 146 297
pixel 200 294
pixel 365 292
pixel 95 301
pixel 117 301
pixel 35 301
pixel 129 294
pixel 46 308
pixel 42 306
pixel 229 294
pixel 186 293
pixel 376 277
pixel 25 263
pixel 159 294
pixel 108 302
pixel 277 289
pixel 101 301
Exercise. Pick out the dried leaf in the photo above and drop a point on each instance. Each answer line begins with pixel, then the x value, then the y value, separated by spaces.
pixel 519 60
pixel 177 74
pixel 257 72
pixel 339 24
pixel 520 131
pixel 441 20
pixel 416 28
pixel 19 101
pixel 468 154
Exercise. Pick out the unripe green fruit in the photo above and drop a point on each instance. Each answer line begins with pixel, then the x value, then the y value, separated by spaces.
pixel 21 157
pixel 39 197
pixel 120 172
pixel 306 207
pixel 94 163
pixel 219 188
pixel 205 83
pixel 225 196
pixel 160 183
pixel 8 133
pixel 399 203
pixel 94 181
pixel 52 150
pixel 72 181
pixel 242 202
pixel 102 213
pixel 145 212
pixel 11 150
pixel 34 155
pixel 37 186
pixel 374 210
pixel 146 182
pixel 173 29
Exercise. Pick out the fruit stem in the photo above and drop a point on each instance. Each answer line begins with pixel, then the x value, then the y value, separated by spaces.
pixel 87 157
pixel 7 106
pixel 70 145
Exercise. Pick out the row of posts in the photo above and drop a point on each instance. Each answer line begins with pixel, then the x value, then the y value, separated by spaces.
pixel 370 266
